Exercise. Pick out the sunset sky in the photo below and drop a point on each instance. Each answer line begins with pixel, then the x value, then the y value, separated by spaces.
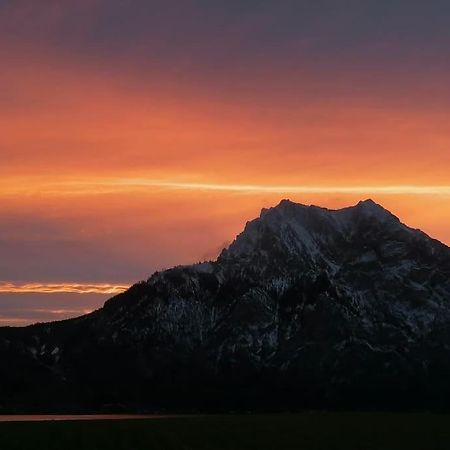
pixel 136 135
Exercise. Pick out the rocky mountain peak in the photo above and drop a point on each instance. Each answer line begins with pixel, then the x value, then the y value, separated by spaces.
pixel 375 210
pixel 301 231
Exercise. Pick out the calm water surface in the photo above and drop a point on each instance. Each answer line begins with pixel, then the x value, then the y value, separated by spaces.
pixel 43 417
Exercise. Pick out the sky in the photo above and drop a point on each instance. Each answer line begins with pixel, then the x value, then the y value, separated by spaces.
pixel 138 135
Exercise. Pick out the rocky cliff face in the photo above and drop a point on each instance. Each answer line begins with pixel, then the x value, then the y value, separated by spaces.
pixel 308 307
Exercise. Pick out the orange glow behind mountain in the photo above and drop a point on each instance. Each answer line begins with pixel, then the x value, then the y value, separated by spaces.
pixel 83 142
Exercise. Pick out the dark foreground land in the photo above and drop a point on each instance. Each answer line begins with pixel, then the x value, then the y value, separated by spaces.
pixel 307 431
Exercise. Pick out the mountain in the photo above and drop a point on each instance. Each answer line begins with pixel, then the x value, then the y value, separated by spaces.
pixel 307 308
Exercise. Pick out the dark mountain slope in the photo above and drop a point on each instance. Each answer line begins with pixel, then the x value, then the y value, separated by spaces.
pixel 307 308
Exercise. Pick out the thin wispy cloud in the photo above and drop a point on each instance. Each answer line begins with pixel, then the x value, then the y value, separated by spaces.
pixel 55 288
pixel 128 185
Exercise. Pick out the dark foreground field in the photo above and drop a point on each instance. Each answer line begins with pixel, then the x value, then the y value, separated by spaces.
pixel 308 431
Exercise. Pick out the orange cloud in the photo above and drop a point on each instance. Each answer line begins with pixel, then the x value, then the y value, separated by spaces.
pixel 103 185
pixel 63 120
pixel 57 288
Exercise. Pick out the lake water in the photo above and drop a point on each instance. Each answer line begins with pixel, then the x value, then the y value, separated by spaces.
pixel 44 417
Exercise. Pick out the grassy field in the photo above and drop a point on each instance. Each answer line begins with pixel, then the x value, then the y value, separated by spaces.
pixel 308 431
